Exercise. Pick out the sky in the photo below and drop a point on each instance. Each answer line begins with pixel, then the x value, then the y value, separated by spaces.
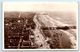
pixel 39 6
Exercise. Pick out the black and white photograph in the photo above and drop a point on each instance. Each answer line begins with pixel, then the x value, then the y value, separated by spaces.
pixel 40 26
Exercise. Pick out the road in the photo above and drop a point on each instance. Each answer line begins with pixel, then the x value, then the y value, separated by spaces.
pixel 66 38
